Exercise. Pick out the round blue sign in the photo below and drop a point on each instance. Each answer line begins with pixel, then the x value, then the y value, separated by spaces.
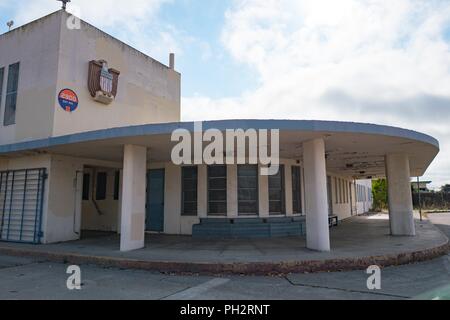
pixel 68 100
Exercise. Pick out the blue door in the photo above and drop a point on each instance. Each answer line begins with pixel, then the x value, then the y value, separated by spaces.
pixel 155 201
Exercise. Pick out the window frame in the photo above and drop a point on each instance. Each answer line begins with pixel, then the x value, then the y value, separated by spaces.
pixel 281 172
pixel 86 191
pixel 2 76
pixel 299 192
pixel 248 214
pixel 183 190
pixel 12 90
pixel 100 186
pixel 208 189
pixel 116 185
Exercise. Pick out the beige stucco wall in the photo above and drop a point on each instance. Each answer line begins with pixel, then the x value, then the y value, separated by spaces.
pixel 36 47
pixel 107 218
pixel 53 57
pixel 65 214
pixel 148 91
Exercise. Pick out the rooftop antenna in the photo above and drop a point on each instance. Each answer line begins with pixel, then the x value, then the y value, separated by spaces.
pixel 10 24
pixel 64 3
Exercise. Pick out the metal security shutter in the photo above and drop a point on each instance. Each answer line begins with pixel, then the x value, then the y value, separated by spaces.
pixel 21 197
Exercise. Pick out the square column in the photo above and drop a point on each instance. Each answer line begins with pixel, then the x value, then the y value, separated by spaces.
pixel 263 194
pixel 202 189
pixel 133 198
pixel 232 191
pixel 316 199
pixel 288 189
pixel 401 216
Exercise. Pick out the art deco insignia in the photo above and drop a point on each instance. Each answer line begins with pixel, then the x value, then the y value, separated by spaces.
pixel 103 81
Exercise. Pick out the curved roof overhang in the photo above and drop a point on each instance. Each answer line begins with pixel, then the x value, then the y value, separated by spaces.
pixel 353 149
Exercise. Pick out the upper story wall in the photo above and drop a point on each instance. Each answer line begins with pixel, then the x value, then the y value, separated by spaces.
pixel 53 57
pixel 148 91
pixel 35 46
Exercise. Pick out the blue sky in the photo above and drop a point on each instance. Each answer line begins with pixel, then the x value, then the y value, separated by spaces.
pixel 377 61
pixel 202 68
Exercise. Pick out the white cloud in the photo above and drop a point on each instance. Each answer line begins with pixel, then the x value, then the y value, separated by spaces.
pixel 388 58
pixel 101 13
pixel 133 21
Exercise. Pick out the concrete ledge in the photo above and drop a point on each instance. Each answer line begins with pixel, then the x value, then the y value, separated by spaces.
pixel 356 244
pixel 250 268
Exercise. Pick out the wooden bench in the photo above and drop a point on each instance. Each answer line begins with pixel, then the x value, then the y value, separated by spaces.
pixel 333 221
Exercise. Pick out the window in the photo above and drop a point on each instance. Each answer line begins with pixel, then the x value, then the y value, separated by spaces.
pixel 248 190
pixel 217 190
pixel 11 95
pixel 100 193
pixel 340 190
pixel 346 191
pixel 276 192
pixel 86 185
pixel 296 190
pixel 189 191
pixel 2 73
pixel 336 190
pixel 116 185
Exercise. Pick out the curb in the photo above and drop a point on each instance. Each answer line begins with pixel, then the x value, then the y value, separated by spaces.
pixel 250 268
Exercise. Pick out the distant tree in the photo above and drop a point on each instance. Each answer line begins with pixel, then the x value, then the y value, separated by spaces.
pixel 380 195
pixel 445 188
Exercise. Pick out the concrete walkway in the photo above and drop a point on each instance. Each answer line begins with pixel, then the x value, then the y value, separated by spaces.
pixel 357 243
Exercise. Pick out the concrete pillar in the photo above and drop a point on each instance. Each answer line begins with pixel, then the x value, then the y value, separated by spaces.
pixel 316 203
pixel 133 198
pixel 399 195
pixel 263 194
pixel 202 187
pixel 232 191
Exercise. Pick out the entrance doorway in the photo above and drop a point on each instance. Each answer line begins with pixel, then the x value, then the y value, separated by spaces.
pixel 155 200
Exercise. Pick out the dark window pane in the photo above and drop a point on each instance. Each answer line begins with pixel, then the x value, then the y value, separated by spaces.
pixel 296 190
pixel 86 185
pixel 189 191
pixel 217 171
pixel 190 208
pixel 217 208
pixel 275 206
pixel 11 95
pixel 248 189
pixel 275 194
pixel 116 185
pixel 248 207
pixel 248 182
pixel 218 195
pixel 100 193
pixel 218 183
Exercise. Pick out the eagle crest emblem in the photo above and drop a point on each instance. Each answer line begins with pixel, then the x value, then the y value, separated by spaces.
pixel 103 81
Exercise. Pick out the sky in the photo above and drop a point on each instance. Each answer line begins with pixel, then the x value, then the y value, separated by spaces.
pixel 373 61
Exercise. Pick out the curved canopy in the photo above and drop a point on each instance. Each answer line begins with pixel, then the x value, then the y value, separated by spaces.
pixel 353 149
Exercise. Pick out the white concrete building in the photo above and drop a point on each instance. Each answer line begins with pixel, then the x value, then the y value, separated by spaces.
pixel 85 144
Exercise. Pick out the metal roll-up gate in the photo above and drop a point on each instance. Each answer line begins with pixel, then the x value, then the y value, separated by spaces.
pixel 21 205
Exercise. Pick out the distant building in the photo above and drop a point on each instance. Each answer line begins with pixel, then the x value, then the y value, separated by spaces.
pixel 422 185
pixel 85 144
